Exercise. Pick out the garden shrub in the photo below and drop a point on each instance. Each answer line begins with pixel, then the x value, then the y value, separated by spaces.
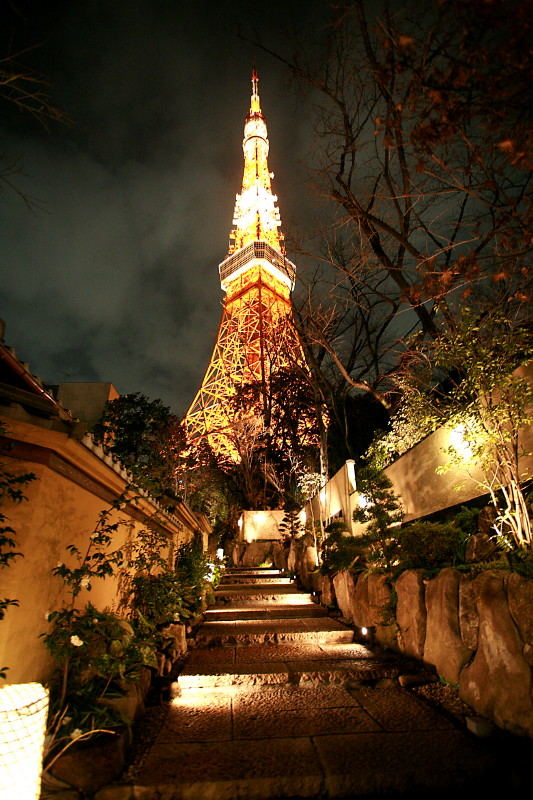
pixel 428 545
pixel 341 551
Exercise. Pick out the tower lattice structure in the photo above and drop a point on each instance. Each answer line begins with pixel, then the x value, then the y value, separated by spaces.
pixel 256 336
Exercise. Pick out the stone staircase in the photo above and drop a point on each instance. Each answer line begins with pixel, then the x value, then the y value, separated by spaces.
pixel 278 701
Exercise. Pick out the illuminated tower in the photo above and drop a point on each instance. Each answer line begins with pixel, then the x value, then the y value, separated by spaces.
pixel 256 335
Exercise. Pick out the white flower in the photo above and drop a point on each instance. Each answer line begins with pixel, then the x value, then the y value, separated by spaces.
pixel 75 733
pixel 76 641
pixel 47 616
pixel 85 584
pixel 59 564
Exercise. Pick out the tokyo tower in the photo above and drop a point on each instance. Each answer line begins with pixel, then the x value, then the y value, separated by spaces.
pixel 256 336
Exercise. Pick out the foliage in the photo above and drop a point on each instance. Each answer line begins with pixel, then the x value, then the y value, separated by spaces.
pixel 275 430
pixel 86 674
pixel 147 439
pixel 192 564
pixel 467 519
pixel 159 600
pixel 161 593
pixel 11 490
pixel 103 654
pixel 424 134
pixel 341 551
pixel 382 513
pixel 468 380
pixel 430 544
pixel 291 525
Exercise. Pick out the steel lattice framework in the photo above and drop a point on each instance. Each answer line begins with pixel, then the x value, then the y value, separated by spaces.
pixel 257 335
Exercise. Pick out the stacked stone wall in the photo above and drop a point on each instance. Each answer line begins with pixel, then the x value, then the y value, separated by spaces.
pixel 475 629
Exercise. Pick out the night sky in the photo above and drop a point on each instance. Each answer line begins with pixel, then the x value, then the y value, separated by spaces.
pixel 112 274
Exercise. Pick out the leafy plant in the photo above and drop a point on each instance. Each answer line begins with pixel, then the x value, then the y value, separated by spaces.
pixel 291 525
pixel 70 626
pixel 382 513
pixel 11 490
pixel 341 551
pixel 147 439
pixel 430 544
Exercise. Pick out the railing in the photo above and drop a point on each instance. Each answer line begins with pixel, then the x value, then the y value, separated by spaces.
pixel 256 250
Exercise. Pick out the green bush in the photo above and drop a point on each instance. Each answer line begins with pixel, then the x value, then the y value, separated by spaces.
pixel 96 653
pixel 192 564
pixel 428 545
pixel 467 519
pixel 160 600
pixel 340 550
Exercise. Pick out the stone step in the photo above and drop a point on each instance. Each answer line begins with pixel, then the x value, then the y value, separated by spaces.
pixel 260 595
pixel 251 572
pixel 256 579
pixel 298 672
pixel 280 611
pixel 260 631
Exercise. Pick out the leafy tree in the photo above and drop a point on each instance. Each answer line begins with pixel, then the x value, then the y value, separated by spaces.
pixel 382 513
pixel 148 440
pixel 424 123
pixel 474 380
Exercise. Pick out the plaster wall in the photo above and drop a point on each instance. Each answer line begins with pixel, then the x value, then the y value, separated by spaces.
pixel 423 490
pixel 261 525
pixel 75 483
pixel 57 513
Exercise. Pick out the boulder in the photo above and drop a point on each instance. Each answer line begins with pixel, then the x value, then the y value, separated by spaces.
pixel 468 617
pixel 292 558
pixel 344 587
pixel 497 684
pixel 307 566
pixel 256 553
pixel 520 596
pixel 411 612
pixel 481 547
pixel 280 555
pixel 327 591
pixel 444 647
pixel 178 639
pixel 90 765
pixel 380 611
pixel 361 613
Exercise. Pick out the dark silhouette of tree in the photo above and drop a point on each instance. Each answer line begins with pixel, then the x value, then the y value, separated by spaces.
pixel 424 122
pixel 147 439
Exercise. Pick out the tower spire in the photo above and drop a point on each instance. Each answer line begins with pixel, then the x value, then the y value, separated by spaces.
pixel 257 335
pixel 256 216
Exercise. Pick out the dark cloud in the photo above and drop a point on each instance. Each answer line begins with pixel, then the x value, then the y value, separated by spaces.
pixel 113 274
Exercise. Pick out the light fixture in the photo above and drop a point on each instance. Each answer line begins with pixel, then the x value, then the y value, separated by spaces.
pixel 460 443
pixel 364 631
pixel 23 713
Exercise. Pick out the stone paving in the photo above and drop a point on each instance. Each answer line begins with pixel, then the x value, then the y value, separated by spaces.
pixel 289 706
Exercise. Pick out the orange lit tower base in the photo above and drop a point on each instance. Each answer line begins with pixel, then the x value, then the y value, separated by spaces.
pixel 256 335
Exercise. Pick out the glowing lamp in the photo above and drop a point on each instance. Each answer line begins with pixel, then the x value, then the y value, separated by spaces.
pixel 460 443
pixel 364 631
pixel 23 713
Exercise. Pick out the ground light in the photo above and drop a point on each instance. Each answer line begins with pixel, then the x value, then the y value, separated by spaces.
pixel 23 712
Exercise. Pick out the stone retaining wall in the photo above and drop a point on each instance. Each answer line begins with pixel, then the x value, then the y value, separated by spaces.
pixel 476 630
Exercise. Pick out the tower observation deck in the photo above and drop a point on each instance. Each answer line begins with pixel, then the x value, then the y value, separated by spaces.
pixel 256 335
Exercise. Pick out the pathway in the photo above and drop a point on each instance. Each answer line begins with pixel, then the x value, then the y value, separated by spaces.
pixel 278 701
